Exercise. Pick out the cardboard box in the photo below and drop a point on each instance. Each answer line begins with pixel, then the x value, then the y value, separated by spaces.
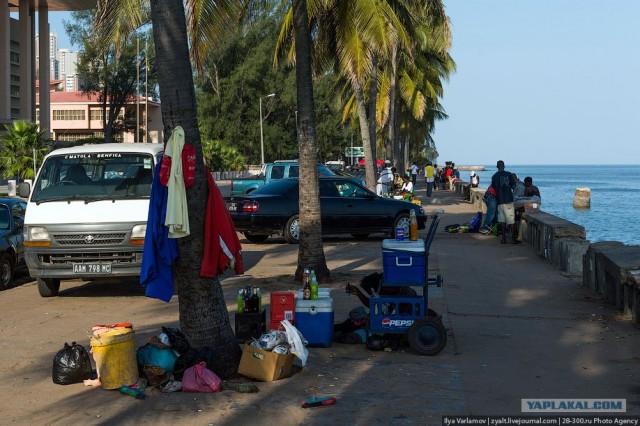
pixel 264 365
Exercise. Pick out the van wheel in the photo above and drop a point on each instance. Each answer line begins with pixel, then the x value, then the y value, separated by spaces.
pixel 6 270
pixel 48 287
pixel 292 230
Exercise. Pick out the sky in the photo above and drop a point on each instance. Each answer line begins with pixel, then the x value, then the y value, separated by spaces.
pixel 537 82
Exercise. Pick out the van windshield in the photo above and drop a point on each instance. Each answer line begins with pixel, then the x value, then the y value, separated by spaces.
pixel 94 176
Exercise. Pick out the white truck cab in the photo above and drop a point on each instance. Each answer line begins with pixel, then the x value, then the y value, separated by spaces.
pixel 87 213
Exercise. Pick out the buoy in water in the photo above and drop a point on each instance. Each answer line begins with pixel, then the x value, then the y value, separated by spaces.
pixel 582 198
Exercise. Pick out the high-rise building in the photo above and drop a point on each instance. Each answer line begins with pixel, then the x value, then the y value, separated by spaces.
pixel 67 64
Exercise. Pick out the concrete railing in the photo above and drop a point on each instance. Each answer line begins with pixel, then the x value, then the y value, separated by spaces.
pixel 610 268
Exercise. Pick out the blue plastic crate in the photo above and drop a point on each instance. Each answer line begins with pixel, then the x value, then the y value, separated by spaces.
pixel 395 314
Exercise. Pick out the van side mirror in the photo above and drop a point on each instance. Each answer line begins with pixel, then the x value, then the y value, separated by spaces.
pixel 24 189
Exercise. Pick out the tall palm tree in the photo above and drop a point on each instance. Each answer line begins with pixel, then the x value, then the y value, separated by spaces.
pixel 310 253
pixel 203 313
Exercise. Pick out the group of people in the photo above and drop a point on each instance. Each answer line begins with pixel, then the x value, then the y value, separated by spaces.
pixel 390 182
pixel 501 196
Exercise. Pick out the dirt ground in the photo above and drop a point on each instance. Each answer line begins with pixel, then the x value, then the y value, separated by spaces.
pixel 517 329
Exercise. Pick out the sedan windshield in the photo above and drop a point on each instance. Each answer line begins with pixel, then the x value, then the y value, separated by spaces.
pixel 94 176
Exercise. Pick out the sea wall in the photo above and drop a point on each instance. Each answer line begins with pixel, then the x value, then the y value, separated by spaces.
pixel 610 268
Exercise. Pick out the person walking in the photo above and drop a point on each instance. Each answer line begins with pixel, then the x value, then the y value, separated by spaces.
pixel 429 173
pixel 503 183
pixel 414 173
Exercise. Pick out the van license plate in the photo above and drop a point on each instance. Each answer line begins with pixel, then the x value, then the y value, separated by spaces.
pixel 91 268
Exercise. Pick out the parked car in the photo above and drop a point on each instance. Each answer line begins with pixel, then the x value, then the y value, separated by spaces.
pixel 11 239
pixel 347 207
pixel 279 169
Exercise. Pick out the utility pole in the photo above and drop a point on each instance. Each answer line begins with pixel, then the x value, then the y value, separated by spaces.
pixel 137 137
pixel 146 93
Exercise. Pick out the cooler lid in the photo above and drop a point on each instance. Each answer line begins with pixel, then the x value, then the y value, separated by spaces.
pixel 320 303
pixel 404 245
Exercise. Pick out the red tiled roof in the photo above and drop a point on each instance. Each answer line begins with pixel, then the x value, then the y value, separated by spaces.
pixel 70 97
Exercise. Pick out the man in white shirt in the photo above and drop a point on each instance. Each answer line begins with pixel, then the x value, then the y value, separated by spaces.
pixel 386 178
pixel 414 172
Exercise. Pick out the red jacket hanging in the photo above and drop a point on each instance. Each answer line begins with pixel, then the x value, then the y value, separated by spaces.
pixel 222 247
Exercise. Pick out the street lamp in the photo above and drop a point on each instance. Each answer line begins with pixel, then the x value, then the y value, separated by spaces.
pixel 261 133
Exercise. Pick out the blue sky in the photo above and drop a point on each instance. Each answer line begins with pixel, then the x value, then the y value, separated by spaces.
pixel 538 82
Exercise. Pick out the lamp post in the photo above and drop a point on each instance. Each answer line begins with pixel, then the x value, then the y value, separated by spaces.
pixel 261 133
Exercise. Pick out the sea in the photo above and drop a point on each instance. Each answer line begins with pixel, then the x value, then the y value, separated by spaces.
pixel 615 196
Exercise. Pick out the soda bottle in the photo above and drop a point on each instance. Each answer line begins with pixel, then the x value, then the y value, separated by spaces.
pixel 240 301
pixel 254 300
pixel 313 287
pixel 306 285
pixel 413 226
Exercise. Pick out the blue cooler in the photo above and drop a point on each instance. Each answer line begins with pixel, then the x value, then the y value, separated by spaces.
pixel 314 319
pixel 404 262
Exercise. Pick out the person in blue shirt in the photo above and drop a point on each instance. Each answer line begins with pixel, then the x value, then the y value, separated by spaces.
pixel 503 183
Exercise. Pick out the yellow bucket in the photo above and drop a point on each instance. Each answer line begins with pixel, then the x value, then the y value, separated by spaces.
pixel 115 355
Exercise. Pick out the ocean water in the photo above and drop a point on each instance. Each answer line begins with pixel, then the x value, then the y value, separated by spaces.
pixel 615 197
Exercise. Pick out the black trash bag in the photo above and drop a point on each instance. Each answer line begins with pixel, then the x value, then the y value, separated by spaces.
pixel 178 342
pixel 71 364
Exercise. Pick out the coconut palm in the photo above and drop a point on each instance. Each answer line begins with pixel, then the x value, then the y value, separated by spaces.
pixel 20 143
pixel 203 313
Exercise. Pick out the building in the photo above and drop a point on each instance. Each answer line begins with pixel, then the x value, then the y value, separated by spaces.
pixel 74 116
pixel 18 71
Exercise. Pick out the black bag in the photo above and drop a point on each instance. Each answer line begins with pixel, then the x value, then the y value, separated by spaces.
pixel 177 340
pixel 71 364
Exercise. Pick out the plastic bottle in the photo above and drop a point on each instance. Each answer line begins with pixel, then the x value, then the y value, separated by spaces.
pixel 240 301
pixel 254 301
pixel 413 226
pixel 306 285
pixel 314 286
pixel 259 293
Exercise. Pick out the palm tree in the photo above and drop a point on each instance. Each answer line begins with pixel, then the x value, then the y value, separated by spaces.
pixel 22 141
pixel 310 253
pixel 203 313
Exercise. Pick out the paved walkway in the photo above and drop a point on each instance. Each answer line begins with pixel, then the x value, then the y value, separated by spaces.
pixel 517 329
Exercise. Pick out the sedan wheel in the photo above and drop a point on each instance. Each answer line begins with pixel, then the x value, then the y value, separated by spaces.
pixel 6 270
pixel 292 230
pixel 255 238
pixel 402 220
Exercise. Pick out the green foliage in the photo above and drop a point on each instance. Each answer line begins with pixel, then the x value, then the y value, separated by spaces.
pixel 219 157
pixel 111 72
pixel 18 144
pixel 239 71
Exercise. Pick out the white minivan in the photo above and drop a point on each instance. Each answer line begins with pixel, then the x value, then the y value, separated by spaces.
pixel 87 213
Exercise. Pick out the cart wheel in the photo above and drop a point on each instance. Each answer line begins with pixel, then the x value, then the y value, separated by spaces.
pixel 427 336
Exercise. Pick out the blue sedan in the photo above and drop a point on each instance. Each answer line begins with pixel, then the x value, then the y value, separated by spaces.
pixel 346 206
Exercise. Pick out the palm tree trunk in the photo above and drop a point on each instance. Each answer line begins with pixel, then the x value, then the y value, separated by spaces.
pixel 369 159
pixel 204 319
pixel 311 252
pixel 391 141
pixel 373 96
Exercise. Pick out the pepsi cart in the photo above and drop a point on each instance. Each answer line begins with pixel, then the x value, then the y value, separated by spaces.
pixel 405 264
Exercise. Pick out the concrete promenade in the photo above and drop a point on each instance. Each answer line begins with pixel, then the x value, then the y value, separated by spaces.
pixel 517 328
